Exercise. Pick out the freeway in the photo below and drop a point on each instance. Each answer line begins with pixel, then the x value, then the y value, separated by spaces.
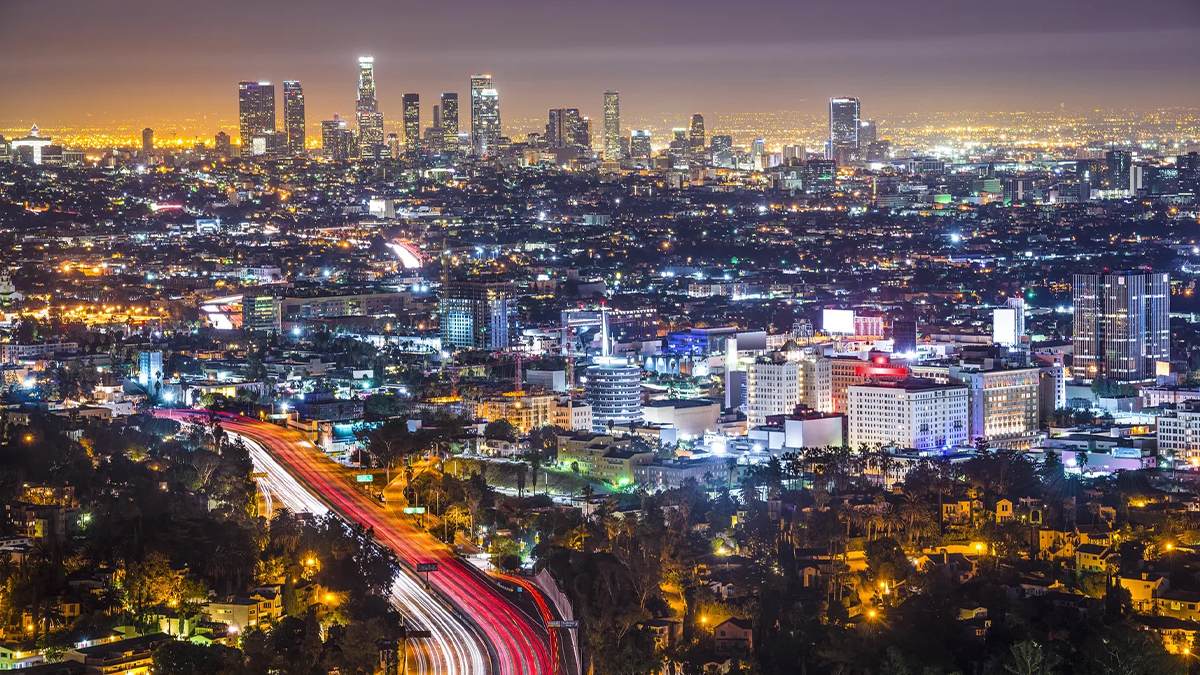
pixel 517 646
pixel 455 647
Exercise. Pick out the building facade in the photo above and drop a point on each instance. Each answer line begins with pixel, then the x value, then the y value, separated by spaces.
pixel 913 413
pixel 1122 328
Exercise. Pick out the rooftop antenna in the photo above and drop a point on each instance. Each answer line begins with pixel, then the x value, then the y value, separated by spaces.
pixel 605 347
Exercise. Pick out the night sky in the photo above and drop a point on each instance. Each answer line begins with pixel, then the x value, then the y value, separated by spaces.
pixel 80 62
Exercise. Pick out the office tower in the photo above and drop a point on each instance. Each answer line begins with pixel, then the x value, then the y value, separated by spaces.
pixel 263 312
pixel 485 115
pixel 150 369
pixel 919 414
pixel 639 144
pixel 614 391
pixel 223 144
pixel 868 133
pixel 393 146
pixel 147 142
pixel 336 139
pixel 449 120
pixel 565 128
pixel 412 123
pixel 612 126
pixel 843 129
pixel 696 137
pixel 722 150
pixel 475 314
pixel 256 112
pixel 366 110
pixel 293 116
pixel 1122 329
pixel 1117 167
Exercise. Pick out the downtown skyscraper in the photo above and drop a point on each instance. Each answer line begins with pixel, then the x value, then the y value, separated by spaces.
pixel 448 120
pixel 696 140
pixel 566 128
pixel 1121 325
pixel 256 113
pixel 844 113
pixel 293 116
pixel 412 122
pixel 366 111
pixel 612 126
pixel 485 115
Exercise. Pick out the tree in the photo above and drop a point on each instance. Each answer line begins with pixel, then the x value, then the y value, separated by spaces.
pixel 177 657
pixel 148 583
pixel 500 430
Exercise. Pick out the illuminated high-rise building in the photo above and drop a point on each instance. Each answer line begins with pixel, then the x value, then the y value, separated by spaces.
pixel 475 314
pixel 147 142
pixel 1122 329
pixel 696 137
pixel 843 128
pixel 412 122
pixel 722 150
pixel 448 120
pixel 336 139
pixel 485 115
pixel 256 112
pixel 639 144
pixel 868 133
pixel 566 128
pixel 366 110
pixel 393 145
pixel 612 126
pixel 223 144
pixel 293 116
pixel 1117 167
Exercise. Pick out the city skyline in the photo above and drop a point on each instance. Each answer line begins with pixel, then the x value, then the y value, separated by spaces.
pixel 1111 54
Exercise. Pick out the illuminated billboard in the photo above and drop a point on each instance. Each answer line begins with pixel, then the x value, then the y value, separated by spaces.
pixel 837 321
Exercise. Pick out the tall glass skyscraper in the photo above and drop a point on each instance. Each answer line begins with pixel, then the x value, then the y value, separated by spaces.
pixel 696 137
pixel 449 120
pixel 475 314
pixel 256 112
pixel 843 128
pixel 412 122
pixel 485 115
pixel 1121 325
pixel 612 126
pixel 370 120
pixel 293 116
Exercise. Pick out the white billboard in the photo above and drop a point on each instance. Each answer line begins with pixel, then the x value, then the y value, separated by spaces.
pixel 837 321
pixel 1004 327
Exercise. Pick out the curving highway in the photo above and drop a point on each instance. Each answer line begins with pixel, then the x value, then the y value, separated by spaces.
pixel 515 645
pixel 455 647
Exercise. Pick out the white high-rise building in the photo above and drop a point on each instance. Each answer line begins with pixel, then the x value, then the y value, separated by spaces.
pixel 843 128
pixel 777 383
pixel 1179 433
pixel 612 126
pixel 485 115
pixel 366 110
pixel 918 414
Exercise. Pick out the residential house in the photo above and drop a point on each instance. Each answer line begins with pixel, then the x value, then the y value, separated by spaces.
pixel 734 634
